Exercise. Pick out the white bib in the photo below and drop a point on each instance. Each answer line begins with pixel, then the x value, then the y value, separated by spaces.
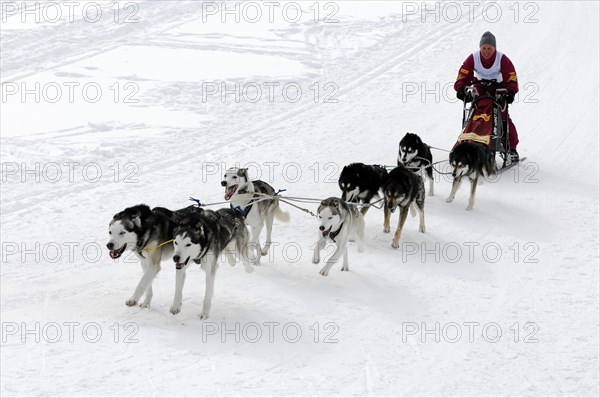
pixel 493 72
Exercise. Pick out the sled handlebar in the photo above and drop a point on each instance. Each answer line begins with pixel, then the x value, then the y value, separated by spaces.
pixel 485 82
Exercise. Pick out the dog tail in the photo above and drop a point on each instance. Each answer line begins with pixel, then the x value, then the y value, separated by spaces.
pixel 281 215
pixel 413 210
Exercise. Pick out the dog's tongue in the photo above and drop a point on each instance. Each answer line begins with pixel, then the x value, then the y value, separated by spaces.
pixel 229 192
pixel 113 254
pixel 327 231
pixel 179 265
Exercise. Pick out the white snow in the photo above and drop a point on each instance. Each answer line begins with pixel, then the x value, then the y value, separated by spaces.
pixel 524 262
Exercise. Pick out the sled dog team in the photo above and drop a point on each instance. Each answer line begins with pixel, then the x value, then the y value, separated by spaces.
pixel 203 236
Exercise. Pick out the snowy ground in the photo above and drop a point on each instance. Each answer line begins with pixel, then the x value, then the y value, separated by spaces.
pixel 503 300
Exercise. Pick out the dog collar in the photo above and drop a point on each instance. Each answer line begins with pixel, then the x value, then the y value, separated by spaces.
pixel 333 235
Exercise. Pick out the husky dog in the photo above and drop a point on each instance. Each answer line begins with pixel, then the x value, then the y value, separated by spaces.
pixel 360 183
pixel 202 237
pixel 256 200
pixel 415 155
pixel 471 160
pixel 403 189
pixel 142 230
pixel 338 222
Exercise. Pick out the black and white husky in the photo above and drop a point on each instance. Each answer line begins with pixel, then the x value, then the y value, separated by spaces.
pixel 142 230
pixel 469 159
pixel 338 223
pixel 203 237
pixel 256 199
pixel 403 189
pixel 415 155
pixel 360 183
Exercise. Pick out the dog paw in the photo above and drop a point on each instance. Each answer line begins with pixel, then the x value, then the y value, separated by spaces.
pixel 203 316
pixel 131 302
pixel 469 208
pixel 386 230
pixel 430 193
pixel 449 200
pixel 145 305
pixel 175 309
pixel 360 249
pixel 395 245
pixel 324 272
pixel 264 252
pixel 345 268
pixel 249 269
pixel 316 260
pixel 422 230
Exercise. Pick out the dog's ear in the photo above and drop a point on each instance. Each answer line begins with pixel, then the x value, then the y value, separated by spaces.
pixel 136 218
pixel 243 173
pixel 337 203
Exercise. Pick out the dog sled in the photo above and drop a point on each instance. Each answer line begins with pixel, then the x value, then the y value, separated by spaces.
pixel 485 120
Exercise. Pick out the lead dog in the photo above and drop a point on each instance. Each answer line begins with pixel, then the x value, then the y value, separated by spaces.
pixel 142 230
pixel 203 237
pixel 471 160
pixel 256 199
pixel 403 189
pixel 338 222
pixel 415 155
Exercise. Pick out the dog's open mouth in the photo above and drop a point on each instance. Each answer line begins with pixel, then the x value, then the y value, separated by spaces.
pixel 230 191
pixel 327 231
pixel 114 254
pixel 181 265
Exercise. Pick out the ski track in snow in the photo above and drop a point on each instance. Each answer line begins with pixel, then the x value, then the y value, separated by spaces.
pixel 547 211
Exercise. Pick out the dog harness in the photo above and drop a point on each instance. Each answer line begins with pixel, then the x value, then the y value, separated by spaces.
pixel 333 235
pixel 246 210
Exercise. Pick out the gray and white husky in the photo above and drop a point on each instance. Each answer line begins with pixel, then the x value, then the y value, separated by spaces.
pixel 403 189
pixel 203 237
pixel 257 202
pixel 142 230
pixel 338 223
pixel 416 156
pixel 472 160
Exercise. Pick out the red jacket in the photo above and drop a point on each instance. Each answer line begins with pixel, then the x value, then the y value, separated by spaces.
pixel 509 75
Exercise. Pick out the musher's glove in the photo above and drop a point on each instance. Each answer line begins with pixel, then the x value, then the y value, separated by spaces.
pixel 510 97
pixel 463 95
